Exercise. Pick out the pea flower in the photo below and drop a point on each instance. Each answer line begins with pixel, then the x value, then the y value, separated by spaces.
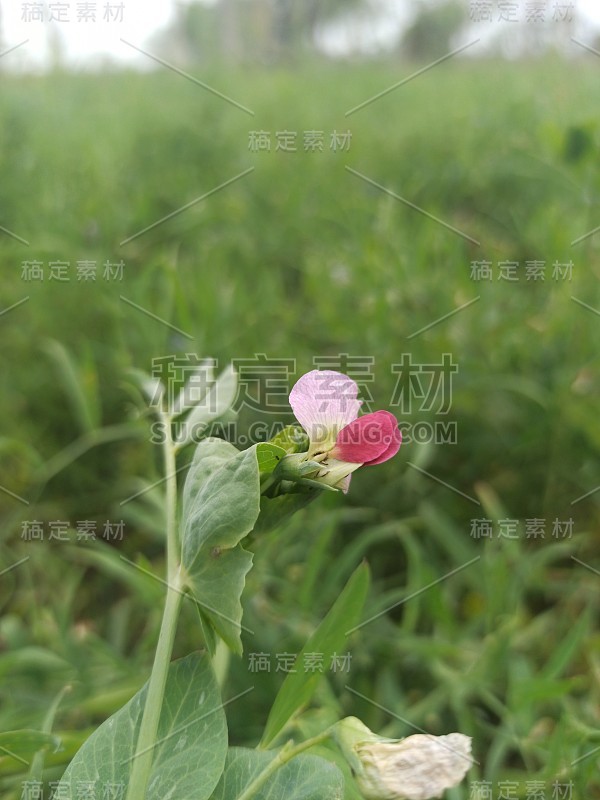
pixel 419 767
pixel 326 404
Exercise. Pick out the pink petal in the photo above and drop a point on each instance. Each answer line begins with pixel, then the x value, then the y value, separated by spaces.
pixel 324 402
pixel 370 439
pixel 394 437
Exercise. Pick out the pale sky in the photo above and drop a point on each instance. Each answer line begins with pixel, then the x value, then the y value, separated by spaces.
pixel 86 44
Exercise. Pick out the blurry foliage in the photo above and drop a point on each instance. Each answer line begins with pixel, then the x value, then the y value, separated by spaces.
pixel 433 31
pixel 276 32
pixel 302 259
pixel 257 31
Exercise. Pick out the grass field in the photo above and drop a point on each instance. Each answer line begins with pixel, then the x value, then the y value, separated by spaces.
pixel 303 258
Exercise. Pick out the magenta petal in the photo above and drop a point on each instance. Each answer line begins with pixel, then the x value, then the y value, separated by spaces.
pixel 323 402
pixel 370 439
pixel 394 437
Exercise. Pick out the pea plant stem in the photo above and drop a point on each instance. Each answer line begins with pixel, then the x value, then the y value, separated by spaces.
pixel 287 752
pixel 142 761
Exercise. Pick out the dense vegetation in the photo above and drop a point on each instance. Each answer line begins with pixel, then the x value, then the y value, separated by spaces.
pixel 302 258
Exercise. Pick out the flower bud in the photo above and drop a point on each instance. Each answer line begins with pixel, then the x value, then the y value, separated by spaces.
pixel 326 473
pixel 416 768
pixel 296 467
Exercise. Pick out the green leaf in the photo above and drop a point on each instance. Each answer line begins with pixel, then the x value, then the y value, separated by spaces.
pixel 540 689
pixel 191 743
pixel 212 406
pixel 208 632
pixel 329 638
pixel 268 455
pixel 37 764
pixel 19 744
pixel 192 393
pixel 570 644
pixel 68 373
pixel 217 585
pixel 32 657
pixel 221 502
pixel 151 387
pixel 304 777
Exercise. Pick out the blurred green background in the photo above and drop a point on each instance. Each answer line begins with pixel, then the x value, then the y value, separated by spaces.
pixel 302 259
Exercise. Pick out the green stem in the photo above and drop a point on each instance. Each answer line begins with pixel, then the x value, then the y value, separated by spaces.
pixel 142 761
pixel 171 487
pixel 287 752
